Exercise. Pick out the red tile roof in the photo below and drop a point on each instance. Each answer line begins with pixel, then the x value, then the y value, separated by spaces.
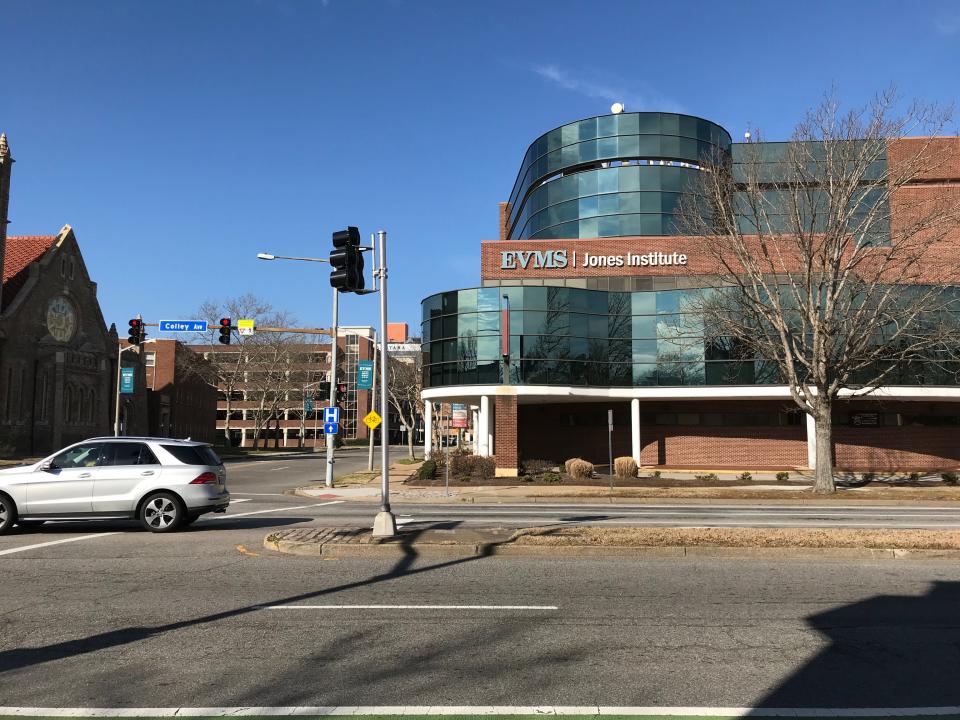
pixel 22 250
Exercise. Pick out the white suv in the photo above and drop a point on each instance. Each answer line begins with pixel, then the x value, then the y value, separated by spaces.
pixel 164 483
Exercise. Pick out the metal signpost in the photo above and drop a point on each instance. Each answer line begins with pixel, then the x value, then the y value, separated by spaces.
pixel 330 439
pixel 610 444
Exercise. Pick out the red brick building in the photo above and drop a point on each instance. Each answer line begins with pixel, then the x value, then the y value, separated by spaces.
pixel 181 401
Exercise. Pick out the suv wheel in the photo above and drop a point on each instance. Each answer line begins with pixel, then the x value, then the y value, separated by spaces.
pixel 8 514
pixel 162 512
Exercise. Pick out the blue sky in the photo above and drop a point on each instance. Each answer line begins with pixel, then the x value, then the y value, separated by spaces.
pixel 179 138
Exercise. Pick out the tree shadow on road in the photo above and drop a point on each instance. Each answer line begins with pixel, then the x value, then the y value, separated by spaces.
pixel 888 651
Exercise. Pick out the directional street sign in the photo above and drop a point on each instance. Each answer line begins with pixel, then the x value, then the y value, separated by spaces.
pixel 372 420
pixel 331 428
pixel 245 327
pixel 331 415
pixel 194 326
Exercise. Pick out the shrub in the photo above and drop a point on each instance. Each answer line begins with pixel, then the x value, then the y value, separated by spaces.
pixel 551 477
pixel 625 467
pixel 914 477
pixel 783 476
pixel 579 468
pixel 656 474
pixel 868 477
pixel 708 477
pixel 537 467
pixel 745 477
pixel 950 478
pixel 471 467
pixel 427 470
pixel 526 478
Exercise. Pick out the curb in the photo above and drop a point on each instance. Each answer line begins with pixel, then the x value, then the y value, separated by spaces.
pixel 458 551
pixel 649 501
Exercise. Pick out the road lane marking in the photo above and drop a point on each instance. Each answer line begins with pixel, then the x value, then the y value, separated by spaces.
pixel 279 509
pixel 234 501
pixel 529 711
pixel 285 467
pixel 238 492
pixel 25 548
pixel 409 607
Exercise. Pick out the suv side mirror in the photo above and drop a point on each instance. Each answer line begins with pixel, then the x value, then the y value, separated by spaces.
pixel 46 465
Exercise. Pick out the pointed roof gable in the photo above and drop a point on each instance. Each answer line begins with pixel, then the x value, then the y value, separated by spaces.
pixel 21 252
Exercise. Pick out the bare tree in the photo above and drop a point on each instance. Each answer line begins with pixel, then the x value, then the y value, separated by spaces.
pixel 404 392
pixel 825 257
pixel 253 366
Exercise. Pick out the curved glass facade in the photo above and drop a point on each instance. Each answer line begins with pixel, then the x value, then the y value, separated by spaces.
pixel 609 176
pixel 571 336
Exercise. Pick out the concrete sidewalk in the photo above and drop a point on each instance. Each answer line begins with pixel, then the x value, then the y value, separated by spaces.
pixel 465 543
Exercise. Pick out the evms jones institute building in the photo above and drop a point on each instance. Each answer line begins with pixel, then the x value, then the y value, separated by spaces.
pixel 588 335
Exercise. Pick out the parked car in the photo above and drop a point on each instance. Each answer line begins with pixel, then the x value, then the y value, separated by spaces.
pixel 164 483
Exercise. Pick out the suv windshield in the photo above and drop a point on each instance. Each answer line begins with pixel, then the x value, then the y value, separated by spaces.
pixel 193 454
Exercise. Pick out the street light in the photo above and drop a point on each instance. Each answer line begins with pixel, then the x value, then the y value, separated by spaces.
pixel 270 256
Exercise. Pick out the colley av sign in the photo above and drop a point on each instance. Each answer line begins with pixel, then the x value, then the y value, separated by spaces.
pixel 560 259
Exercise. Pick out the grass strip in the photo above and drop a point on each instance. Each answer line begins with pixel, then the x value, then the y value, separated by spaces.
pixel 741 537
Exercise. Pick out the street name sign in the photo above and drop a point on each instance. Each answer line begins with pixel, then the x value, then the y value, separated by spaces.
pixel 365 375
pixel 193 326
pixel 331 415
pixel 372 420
pixel 245 327
pixel 331 428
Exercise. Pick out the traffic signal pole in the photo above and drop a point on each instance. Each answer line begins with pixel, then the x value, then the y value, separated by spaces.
pixel 331 439
pixel 384 524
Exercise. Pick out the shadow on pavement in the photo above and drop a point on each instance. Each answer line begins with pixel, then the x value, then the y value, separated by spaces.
pixel 20 658
pixel 885 652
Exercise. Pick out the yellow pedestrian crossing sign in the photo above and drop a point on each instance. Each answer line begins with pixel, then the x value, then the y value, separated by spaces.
pixel 372 420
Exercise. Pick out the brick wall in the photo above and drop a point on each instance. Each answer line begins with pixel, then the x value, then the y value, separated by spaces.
pixel 896 448
pixel 505 440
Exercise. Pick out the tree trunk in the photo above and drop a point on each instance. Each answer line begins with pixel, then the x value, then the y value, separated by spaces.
pixel 824 442
pixel 226 425
pixel 410 443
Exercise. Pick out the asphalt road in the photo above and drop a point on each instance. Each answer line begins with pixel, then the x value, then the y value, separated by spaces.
pixel 138 620
pixel 106 615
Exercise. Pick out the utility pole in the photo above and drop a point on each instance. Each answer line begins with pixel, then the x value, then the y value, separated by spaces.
pixel 385 524
pixel 373 403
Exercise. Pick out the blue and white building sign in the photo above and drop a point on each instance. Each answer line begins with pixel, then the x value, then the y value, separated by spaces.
pixel 197 326
pixel 331 415
pixel 126 380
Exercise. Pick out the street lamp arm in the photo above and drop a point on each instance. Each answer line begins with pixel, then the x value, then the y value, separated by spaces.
pixel 270 256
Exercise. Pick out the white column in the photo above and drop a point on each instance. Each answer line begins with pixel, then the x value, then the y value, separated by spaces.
pixel 635 429
pixel 483 427
pixel 285 437
pixel 427 427
pixel 474 430
pixel 243 437
pixel 811 441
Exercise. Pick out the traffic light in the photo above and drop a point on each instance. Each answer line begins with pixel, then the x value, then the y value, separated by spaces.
pixel 323 391
pixel 225 331
pixel 346 261
pixel 341 393
pixel 137 334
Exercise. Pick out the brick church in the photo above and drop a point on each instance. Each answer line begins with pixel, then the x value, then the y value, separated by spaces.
pixel 57 355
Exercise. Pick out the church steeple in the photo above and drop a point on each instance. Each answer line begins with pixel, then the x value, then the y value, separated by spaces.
pixel 6 165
